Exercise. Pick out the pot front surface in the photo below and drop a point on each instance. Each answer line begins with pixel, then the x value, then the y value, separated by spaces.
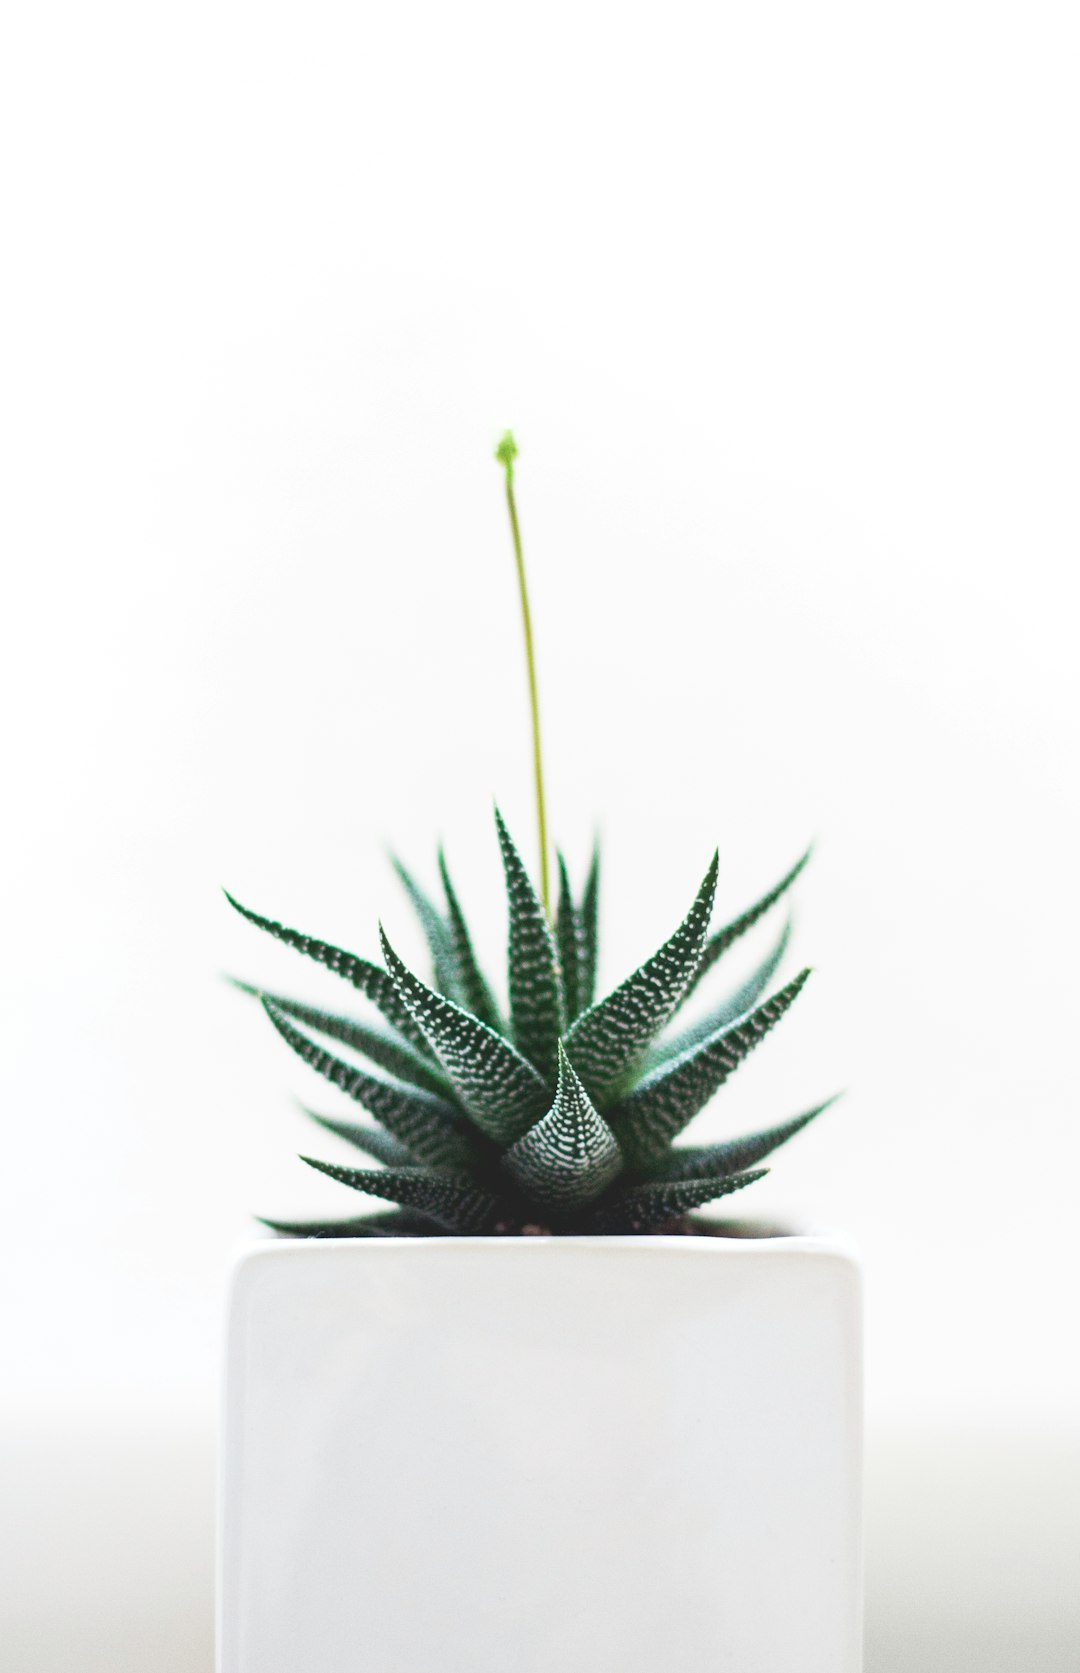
pixel 622 1455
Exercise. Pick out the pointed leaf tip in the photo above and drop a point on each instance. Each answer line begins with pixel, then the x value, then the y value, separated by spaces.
pixel 733 1155
pixel 570 1157
pixel 454 1199
pixel 476 994
pixel 436 932
pixel 366 977
pixel 647 1208
pixel 570 936
pixel 537 1004
pixel 607 1041
pixel 720 940
pixel 735 1006
pixel 668 1097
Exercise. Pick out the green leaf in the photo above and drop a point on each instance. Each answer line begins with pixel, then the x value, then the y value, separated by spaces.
pixel 590 930
pixel 476 995
pixel 608 1040
pixel 395 1224
pixel 570 1157
pixel 537 1007
pixel 366 977
pixel 455 1201
pixel 646 1208
pixel 699 1161
pixel 719 942
pixel 661 1105
pixel 429 1127
pixel 570 935
pixel 373 1141
pixel 436 931
pixel 498 1087
pixel 389 1051
pixel 729 1010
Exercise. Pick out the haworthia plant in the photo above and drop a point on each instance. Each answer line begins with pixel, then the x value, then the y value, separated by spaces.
pixel 560 1116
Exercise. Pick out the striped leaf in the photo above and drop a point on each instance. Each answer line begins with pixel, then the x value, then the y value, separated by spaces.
pixel 476 995
pixel 436 932
pixel 700 1161
pixel 428 1126
pixel 366 977
pixel 570 935
pixel 391 1052
pixel 719 942
pixel 728 1011
pixel 405 1223
pixel 373 1141
pixel 498 1087
pixel 590 932
pixel 648 1208
pixel 455 1200
pixel 609 1039
pixel 570 1157
pixel 537 1006
pixel 660 1106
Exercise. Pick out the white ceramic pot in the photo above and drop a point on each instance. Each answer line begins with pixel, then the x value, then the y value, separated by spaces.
pixel 543 1455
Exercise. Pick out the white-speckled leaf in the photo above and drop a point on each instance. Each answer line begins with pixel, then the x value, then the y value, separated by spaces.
pixel 719 942
pixel 366 977
pixel 537 1007
pixel 390 1051
pixel 570 1157
pixel 406 1223
pixel 697 1161
pixel 653 1114
pixel 589 912
pixel 428 1126
pixel 455 1200
pixel 736 1005
pixel 373 1141
pixel 647 1208
pixel 499 1088
pixel 570 935
pixel 476 995
pixel 436 932
pixel 609 1039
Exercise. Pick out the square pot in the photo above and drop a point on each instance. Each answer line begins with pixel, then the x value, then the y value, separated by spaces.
pixel 543 1455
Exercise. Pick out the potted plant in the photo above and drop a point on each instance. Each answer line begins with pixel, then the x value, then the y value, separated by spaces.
pixel 538 1415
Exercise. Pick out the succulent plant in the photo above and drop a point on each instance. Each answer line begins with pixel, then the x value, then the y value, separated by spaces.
pixel 562 1116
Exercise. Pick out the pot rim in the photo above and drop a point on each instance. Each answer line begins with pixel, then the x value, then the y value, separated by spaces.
pixel 776 1235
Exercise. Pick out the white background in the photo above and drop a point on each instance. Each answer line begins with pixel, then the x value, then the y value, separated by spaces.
pixel 782 303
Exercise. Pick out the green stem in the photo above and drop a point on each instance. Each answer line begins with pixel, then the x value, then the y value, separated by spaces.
pixel 506 453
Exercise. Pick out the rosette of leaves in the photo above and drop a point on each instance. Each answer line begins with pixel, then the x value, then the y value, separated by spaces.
pixel 563 1116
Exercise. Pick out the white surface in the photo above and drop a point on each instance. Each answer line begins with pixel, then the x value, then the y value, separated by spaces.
pixel 566 1453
